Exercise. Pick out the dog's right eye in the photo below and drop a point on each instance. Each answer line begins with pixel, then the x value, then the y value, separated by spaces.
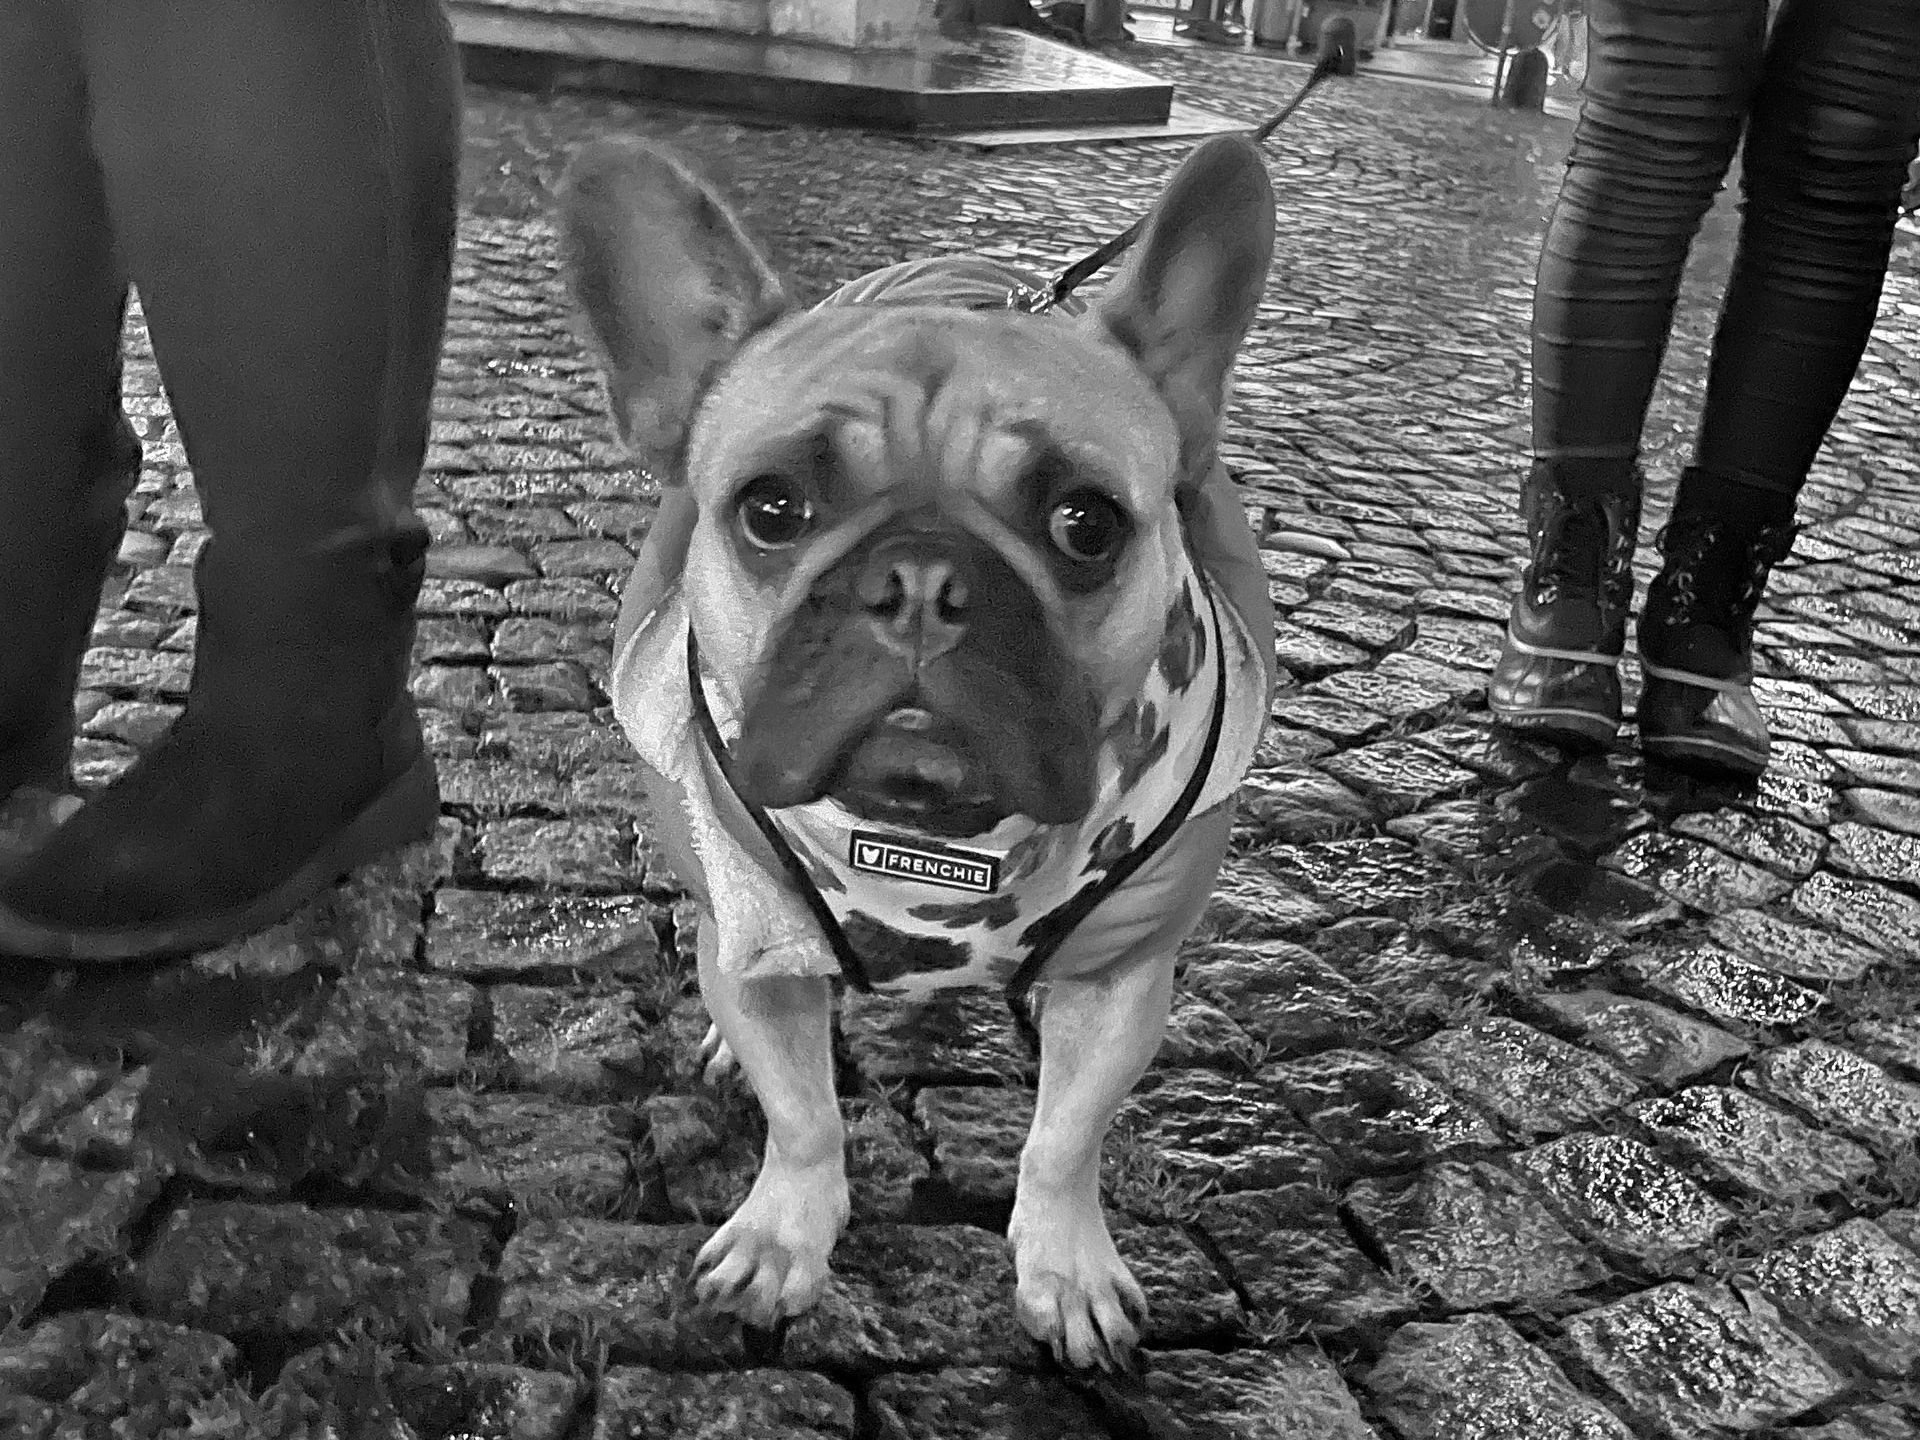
pixel 774 512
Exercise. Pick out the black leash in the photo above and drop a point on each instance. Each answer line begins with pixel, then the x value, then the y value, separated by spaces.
pixel 1035 302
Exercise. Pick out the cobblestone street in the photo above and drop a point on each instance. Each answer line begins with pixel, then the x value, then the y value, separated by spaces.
pixel 1505 1098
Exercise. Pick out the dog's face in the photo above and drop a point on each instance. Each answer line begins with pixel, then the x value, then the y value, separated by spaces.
pixel 937 550
pixel 954 538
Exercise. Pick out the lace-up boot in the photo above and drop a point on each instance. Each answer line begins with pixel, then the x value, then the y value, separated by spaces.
pixel 1697 710
pixel 1558 677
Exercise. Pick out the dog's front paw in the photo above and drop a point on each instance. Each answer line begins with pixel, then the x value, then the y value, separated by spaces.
pixel 769 1262
pixel 1074 1294
pixel 717 1060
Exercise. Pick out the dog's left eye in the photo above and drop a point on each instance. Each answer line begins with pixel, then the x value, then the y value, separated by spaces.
pixel 1088 527
pixel 774 512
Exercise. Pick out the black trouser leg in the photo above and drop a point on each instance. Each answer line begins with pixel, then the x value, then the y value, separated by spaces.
pixel 281 180
pixel 67 456
pixel 1833 131
pixel 1669 83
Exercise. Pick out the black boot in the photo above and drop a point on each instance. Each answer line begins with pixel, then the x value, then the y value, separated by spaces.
pixel 1697 710
pixel 1558 678
pixel 298 758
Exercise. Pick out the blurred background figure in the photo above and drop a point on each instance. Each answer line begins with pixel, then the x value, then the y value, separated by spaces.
pixel 1208 20
pixel 1105 22
pixel 1829 105
pixel 959 15
pixel 1567 43
pixel 277 179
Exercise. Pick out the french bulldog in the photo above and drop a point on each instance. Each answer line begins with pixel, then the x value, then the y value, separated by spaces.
pixel 945 655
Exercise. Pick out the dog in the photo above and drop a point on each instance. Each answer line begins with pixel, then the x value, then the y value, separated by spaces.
pixel 945 655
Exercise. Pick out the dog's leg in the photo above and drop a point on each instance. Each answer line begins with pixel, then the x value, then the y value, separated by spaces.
pixel 769 1261
pixel 1097 1035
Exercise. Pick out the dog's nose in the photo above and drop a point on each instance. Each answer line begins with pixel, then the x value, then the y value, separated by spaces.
pixel 916 601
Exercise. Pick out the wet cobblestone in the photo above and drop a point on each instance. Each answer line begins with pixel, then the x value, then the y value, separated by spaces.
pixel 1687 1361
pixel 1480 1378
pixel 1855 1288
pixel 1621 1195
pixel 1477 1044
pixel 1474 1236
pixel 1764 1151
pixel 1538 1085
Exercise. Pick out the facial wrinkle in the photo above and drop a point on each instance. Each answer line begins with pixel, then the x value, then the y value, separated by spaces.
pixel 831 549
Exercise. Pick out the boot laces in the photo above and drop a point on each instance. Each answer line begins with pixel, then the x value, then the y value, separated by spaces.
pixel 1724 597
pixel 1577 549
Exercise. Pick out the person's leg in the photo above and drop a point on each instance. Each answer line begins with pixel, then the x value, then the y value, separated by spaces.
pixel 1834 128
pixel 1201 19
pixel 282 179
pixel 67 456
pixel 1105 22
pixel 1667 91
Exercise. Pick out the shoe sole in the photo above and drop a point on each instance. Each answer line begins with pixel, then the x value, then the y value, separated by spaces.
pixel 1573 729
pixel 390 821
pixel 1696 752
pixel 1710 756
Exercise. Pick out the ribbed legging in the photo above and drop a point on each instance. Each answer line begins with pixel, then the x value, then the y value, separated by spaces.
pixel 1829 104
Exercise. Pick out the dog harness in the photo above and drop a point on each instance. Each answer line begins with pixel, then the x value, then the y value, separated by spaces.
pixel 907 913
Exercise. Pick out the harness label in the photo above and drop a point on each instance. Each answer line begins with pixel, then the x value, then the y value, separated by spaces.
pixel 932 864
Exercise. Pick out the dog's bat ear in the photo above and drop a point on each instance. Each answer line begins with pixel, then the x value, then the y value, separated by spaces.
pixel 669 283
pixel 1189 290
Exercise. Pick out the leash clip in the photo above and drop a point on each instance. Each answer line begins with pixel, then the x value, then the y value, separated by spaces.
pixel 1026 300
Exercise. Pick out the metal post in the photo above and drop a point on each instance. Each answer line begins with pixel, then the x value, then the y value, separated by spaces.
pixel 1506 40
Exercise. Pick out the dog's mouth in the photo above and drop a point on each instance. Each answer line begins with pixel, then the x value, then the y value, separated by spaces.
pixel 916 769
pixel 910 761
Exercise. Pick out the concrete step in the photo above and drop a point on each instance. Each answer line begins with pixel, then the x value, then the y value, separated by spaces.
pixel 992 80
